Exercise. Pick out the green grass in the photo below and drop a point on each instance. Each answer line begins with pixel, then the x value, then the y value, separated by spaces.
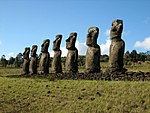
pixel 142 66
pixel 10 71
pixel 39 95
pixel 69 96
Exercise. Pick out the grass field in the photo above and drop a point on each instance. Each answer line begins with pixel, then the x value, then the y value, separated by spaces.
pixel 142 66
pixel 39 95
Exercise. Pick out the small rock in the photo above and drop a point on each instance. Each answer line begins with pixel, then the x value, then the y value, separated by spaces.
pixel 9 86
pixel 92 98
pixel 98 93
pixel 48 92
pixel 79 98
pixel 83 89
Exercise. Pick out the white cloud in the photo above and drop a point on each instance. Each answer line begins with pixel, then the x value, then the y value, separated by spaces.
pixel 64 52
pixel 11 54
pixel 105 47
pixel 143 44
pixel 107 33
pixel 51 53
pixel 81 48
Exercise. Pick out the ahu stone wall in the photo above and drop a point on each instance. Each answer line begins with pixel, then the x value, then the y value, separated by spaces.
pixel 128 76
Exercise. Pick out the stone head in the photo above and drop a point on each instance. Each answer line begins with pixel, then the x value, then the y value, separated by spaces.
pixel 34 49
pixel 70 42
pixel 57 42
pixel 45 45
pixel 92 36
pixel 116 29
pixel 26 52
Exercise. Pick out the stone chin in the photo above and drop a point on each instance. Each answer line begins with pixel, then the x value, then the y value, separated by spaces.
pixel 89 41
pixel 68 45
pixel 115 35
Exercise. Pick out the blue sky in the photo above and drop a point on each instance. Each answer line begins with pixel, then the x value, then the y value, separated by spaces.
pixel 27 22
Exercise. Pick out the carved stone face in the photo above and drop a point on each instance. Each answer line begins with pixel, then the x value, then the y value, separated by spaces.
pixel 27 50
pixel 45 45
pixel 92 36
pixel 116 29
pixel 26 53
pixel 70 42
pixel 57 42
pixel 34 49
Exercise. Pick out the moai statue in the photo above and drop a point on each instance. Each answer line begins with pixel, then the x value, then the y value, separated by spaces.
pixel 26 61
pixel 33 62
pixel 56 64
pixel 44 58
pixel 117 47
pixel 71 64
pixel 93 51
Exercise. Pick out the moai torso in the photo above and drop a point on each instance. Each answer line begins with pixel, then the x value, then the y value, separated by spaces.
pixel 56 64
pixel 72 55
pixel 45 57
pixel 26 60
pixel 117 46
pixel 33 62
pixel 93 52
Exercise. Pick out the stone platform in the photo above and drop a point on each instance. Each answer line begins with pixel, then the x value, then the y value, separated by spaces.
pixel 127 76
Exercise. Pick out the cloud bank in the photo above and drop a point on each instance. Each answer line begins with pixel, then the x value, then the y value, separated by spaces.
pixel 11 54
pixel 107 33
pixel 105 47
pixel 82 48
pixel 143 44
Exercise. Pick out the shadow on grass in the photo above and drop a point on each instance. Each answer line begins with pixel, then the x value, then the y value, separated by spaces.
pixel 28 76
